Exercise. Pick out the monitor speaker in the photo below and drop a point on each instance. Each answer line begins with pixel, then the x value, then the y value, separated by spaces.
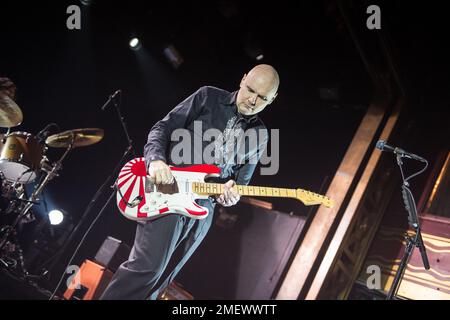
pixel 112 253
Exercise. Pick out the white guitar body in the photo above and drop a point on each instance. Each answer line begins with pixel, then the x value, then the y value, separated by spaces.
pixel 138 199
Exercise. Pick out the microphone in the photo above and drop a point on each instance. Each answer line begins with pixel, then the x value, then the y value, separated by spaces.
pixel 115 94
pixel 110 98
pixel 383 146
pixel 44 133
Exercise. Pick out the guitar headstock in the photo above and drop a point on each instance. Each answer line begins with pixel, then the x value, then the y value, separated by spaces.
pixel 310 198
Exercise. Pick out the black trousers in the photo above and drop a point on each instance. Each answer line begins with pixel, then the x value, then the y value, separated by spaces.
pixel 148 270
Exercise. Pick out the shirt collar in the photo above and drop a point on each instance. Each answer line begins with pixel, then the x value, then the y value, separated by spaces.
pixel 230 100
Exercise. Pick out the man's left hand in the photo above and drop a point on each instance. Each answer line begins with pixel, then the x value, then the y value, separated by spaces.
pixel 230 195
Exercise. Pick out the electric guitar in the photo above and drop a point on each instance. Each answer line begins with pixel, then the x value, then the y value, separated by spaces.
pixel 139 199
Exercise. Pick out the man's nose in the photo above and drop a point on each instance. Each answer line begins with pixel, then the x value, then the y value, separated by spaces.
pixel 253 99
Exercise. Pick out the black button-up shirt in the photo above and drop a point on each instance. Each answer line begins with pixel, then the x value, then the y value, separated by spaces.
pixel 215 108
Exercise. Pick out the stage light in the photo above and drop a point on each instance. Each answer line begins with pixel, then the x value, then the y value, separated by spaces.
pixel 86 2
pixel 253 46
pixel 135 44
pixel 254 51
pixel 55 217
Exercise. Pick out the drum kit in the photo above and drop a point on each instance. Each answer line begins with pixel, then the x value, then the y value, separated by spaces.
pixel 24 162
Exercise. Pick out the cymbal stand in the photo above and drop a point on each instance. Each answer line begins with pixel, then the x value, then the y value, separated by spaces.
pixel 34 196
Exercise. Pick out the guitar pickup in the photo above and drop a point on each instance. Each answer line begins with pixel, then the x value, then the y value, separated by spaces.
pixel 149 185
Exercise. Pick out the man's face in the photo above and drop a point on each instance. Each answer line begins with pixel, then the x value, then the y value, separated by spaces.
pixel 256 92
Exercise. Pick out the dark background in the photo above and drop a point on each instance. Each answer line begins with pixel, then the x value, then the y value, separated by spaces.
pixel 65 76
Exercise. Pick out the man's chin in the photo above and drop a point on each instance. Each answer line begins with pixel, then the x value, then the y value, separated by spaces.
pixel 245 111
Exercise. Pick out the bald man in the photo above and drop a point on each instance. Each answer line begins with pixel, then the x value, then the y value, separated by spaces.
pixel 163 246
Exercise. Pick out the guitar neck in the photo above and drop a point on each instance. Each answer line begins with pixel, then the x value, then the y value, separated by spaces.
pixel 254 191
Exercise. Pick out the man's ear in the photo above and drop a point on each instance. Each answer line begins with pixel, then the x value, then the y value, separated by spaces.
pixel 273 98
pixel 243 80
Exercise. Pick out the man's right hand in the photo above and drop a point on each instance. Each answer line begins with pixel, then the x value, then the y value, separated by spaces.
pixel 160 172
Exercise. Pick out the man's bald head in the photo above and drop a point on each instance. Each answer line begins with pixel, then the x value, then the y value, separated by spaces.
pixel 265 75
pixel 258 89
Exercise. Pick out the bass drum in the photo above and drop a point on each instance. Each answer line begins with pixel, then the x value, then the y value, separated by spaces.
pixel 20 157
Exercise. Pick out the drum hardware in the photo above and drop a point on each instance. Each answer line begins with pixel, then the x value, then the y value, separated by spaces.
pixel 12 255
pixel 24 209
pixel 45 165
pixel 34 196
pixel 26 200
pixel 44 133
pixel 14 159
pixel 20 204
pixel 22 161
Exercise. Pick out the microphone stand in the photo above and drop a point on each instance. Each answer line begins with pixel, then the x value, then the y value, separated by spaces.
pixel 129 150
pixel 411 241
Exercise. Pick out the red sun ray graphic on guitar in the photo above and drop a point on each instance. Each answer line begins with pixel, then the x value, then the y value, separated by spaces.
pixel 139 199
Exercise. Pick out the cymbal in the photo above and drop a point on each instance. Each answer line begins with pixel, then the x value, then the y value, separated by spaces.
pixel 10 113
pixel 80 137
